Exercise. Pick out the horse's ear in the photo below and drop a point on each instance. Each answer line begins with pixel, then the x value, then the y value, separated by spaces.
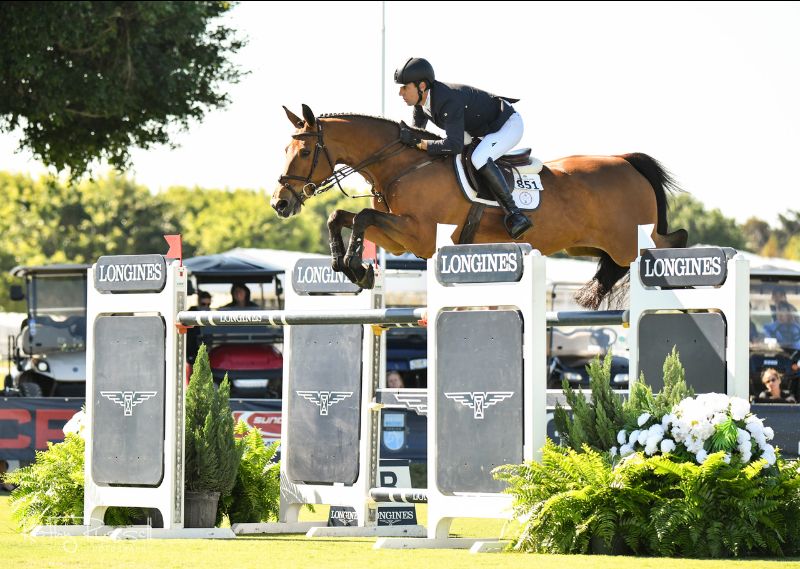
pixel 296 121
pixel 308 114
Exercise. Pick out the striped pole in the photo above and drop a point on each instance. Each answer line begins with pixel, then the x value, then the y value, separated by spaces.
pixel 390 317
pixel 397 317
pixel 402 495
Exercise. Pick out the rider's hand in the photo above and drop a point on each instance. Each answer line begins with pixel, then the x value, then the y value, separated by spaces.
pixel 408 138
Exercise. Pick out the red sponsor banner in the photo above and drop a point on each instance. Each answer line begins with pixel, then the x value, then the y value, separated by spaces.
pixel 268 422
pixel 27 424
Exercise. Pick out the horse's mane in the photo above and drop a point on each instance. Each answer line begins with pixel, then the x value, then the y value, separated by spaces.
pixel 421 131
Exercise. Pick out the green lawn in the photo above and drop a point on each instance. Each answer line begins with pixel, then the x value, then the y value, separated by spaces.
pixel 17 550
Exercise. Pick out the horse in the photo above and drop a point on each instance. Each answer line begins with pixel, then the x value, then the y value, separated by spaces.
pixel 591 205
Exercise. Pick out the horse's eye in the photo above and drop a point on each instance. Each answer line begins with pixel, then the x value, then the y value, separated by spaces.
pixel 305 153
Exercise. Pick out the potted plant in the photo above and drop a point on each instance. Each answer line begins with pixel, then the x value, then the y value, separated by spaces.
pixel 212 457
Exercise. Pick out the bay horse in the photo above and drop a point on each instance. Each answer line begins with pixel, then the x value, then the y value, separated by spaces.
pixel 590 206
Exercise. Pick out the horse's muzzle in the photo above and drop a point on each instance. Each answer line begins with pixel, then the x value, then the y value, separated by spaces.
pixel 285 206
pixel 282 208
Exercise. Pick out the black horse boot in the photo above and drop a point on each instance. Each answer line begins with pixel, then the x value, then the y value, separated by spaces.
pixel 516 223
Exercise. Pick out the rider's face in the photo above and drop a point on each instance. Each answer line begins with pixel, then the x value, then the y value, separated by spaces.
pixel 409 94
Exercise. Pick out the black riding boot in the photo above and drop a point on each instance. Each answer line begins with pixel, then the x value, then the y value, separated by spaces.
pixel 516 223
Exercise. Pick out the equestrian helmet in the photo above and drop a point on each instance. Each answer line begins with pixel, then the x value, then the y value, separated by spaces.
pixel 415 70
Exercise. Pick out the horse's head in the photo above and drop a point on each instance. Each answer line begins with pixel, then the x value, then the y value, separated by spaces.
pixel 308 165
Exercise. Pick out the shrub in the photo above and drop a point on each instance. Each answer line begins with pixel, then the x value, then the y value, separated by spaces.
pixel 705 482
pixel 256 493
pixel 212 457
pixel 50 491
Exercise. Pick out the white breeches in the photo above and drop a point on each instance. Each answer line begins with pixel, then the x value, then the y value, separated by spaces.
pixel 496 144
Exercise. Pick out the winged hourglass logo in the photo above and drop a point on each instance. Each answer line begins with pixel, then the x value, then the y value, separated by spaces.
pixel 479 400
pixel 128 399
pixel 324 399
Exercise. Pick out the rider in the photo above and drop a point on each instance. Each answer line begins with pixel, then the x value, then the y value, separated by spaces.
pixel 460 109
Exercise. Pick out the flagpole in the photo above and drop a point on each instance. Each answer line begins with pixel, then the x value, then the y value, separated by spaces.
pixel 381 251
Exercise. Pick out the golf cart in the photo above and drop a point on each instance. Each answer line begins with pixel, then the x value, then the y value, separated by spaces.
pixel 48 355
pixel 249 355
pixel 571 348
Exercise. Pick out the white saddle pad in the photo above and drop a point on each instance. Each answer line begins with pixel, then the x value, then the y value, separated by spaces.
pixel 527 185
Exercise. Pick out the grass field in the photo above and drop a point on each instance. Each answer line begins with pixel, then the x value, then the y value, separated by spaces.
pixel 296 552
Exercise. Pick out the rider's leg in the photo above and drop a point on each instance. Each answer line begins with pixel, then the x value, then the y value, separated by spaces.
pixel 493 146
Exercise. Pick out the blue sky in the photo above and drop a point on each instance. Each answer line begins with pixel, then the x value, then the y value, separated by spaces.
pixel 709 89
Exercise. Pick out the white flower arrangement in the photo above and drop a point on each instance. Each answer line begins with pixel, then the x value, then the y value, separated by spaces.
pixel 693 422
pixel 76 425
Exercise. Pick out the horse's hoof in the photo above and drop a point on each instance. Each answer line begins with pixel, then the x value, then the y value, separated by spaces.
pixel 337 264
pixel 354 267
pixel 368 280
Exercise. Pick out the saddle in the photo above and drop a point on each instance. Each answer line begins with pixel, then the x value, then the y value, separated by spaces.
pixel 507 163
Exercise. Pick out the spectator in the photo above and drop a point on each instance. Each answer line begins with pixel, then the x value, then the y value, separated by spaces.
pixel 193 334
pixel 786 328
pixel 203 301
pixel 773 393
pixel 240 296
pixel 778 297
pixel 394 380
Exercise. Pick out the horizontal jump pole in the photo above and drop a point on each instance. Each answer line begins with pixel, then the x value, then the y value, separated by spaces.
pixel 403 495
pixel 393 317
pixel 400 317
pixel 588 318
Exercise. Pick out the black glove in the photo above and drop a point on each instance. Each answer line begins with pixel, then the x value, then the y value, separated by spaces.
pixel 408 137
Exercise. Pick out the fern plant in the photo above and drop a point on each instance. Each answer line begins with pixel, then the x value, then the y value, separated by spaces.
pixel 256 493
pixel 50 491
pixel 721 510
pixel 573 498
pixel 655 505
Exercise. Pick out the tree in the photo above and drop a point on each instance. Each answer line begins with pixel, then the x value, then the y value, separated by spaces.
pixel 213 220
pixel 788 227
pixel 43 221
pixel 771 248
pixel 792 249
pixel 90 80
pixel 706 227
pixel 756 232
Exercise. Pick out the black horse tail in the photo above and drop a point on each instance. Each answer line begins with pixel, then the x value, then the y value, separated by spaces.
pixel 608 272
pixel 661 180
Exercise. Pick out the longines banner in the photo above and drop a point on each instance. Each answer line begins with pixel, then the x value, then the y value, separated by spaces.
pixel 28 423
pixel 495 263
pixel 130 273
pixel 315 276
pixel 680 268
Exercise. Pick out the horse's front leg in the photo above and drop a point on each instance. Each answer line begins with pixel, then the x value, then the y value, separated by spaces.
pixel 385 225
pixel 336 220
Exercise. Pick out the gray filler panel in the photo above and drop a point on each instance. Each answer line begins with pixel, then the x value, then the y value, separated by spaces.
pixel 700 338
pixel 324 418
pixel 479 398
pixel 128 398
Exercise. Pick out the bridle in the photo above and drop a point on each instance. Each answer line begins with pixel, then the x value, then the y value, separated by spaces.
pixel 311 189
